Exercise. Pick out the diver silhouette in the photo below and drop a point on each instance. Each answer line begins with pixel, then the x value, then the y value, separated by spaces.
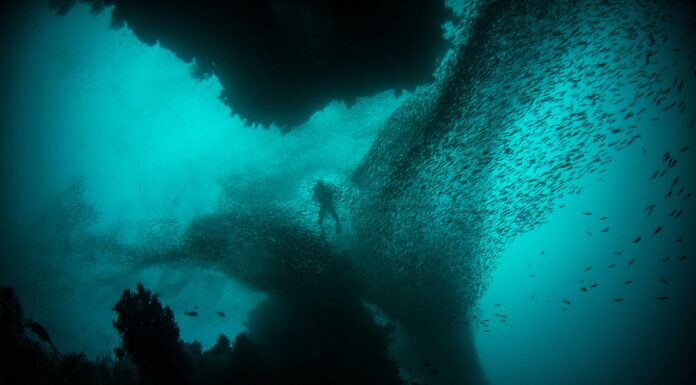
pixel 324 195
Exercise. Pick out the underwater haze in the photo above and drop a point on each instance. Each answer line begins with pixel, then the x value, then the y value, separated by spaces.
pixel 514 208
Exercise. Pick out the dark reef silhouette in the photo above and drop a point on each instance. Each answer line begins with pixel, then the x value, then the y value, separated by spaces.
pixel 150 336
pixel 295 339
pixel 280 61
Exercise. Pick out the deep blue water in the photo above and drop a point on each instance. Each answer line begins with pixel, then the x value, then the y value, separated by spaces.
pixel 484 197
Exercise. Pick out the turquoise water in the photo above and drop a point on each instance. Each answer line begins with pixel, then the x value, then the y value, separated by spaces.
pixel 462 201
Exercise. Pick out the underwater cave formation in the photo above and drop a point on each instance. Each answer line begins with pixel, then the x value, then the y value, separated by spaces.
pixel 279 61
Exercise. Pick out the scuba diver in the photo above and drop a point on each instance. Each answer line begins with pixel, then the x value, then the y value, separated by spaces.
pixel 324 195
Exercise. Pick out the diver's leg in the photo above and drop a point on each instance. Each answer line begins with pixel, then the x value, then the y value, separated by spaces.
pixel 332 212
pixel 322 213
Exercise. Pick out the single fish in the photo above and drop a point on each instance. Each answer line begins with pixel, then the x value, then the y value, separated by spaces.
pixel 662 298
pixel 583 289
pixel 618 299
pixel 588 268
pixel 664 281
pixel 665 259
pixel 192 313
pixel 637 239
pixel 631 262
pixel 628 282
pixel 220 314
pixel 593 285
pixel 682 258
pixel 659 228
pixel 612 265
pixel 39 330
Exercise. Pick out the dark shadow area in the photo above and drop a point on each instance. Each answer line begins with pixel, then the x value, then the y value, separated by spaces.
pixel 279 61
pixel 297 339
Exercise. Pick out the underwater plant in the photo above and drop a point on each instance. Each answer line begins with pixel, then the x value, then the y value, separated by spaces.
pixel 150 336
